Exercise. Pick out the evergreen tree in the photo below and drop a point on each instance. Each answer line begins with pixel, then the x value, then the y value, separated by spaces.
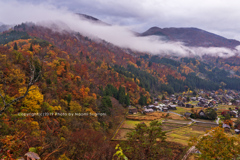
pixel 15 46
pixel 110 90
pixel 138 63
pixel 31 49
pixel 142 101
pixel 127 100
pixel 105 106
pixel 150 64
pixel 69 98
pixel 121 95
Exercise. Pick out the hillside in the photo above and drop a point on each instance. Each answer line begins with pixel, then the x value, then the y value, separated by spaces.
pixel 92 82
pixel 152 73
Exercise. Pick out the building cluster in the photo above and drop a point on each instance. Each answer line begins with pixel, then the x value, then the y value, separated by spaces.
pixel 204 99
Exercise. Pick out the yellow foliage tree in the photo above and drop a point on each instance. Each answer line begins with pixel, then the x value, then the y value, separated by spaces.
pixel 32 102
pixel 216 144
pixel 75 107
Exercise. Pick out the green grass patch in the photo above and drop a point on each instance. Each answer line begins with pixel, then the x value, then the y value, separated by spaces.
pixel 193 102
pixel 131 124
pixel 181 110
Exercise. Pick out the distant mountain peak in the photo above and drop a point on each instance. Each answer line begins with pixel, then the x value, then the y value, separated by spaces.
pixel 192 37
pixel 91 19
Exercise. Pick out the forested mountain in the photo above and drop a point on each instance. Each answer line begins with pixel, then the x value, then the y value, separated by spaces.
pixel 66 72
pixel 101 63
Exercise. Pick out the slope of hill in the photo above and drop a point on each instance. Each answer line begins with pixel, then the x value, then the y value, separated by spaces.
pixel 192 37
pixel 152 73
pixel 82 76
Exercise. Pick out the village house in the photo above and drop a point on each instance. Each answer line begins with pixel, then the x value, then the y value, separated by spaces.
pixel 226 127
pixel 201 113
pixel 225 100
pixel 189 106
pixel 187 114
pixel 166 101
pixel 215 97
pixel 184 99
pixel 203 102
pixel 132 110
pixel 193 99
pixel 150 106
pixel 165 109
pixel 237 131
pixel 236 103
pixel 210 104
pixel 233 114
pixel 181 104
pixel 162 105
pixel 147 110
pixel 172 107
pixel 157 108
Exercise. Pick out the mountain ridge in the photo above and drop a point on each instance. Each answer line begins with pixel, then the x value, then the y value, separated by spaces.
pixel 192 37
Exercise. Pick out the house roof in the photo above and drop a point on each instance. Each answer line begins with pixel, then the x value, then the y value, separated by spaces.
pixel 187 113
pixel 148 110
pixel 226 126
pixel 133 109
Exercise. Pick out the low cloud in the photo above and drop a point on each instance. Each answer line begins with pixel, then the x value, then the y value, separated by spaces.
pixel 13 12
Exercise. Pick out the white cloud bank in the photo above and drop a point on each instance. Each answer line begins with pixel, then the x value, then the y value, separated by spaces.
pixel 14 12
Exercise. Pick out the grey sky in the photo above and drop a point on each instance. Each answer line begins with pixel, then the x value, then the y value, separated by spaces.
pixel 217 16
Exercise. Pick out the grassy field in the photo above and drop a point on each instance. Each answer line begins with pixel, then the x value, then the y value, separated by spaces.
pixel 193 102
pixel 177 127
pixel 182 135
pixel 225 107
pixel 199 128
pixel 182 110
pixel 130 124
pixel 177 130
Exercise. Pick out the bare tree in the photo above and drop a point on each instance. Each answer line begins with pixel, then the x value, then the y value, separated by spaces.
pixel 34 77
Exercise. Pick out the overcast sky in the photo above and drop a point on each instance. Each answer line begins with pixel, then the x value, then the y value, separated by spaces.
pixel 218 16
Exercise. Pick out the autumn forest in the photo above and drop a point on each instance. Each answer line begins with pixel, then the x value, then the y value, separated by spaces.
pixel 63 95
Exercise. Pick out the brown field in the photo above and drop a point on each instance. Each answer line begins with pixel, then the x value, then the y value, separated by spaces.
pixel 182 110
pixel 177 121
pixel 178 129
pixel 205 124
pixel 182 135
pixel 121 134
pixel 200 128
pixel 170 126
pixel 154 116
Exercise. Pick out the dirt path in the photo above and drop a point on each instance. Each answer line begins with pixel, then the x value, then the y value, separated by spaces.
pixel 192 149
